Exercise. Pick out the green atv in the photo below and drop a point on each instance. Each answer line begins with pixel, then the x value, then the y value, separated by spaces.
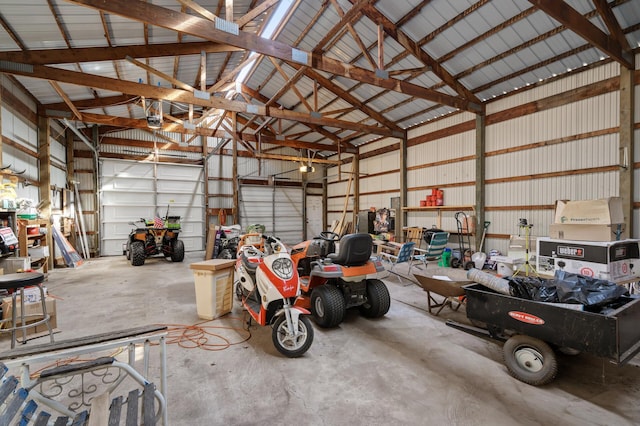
pixel 154 239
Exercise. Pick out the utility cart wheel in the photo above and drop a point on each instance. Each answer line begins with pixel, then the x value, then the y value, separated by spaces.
pixel 455 262
pixel 530 360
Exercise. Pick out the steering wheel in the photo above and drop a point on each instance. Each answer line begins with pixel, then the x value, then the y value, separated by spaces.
pixel 329 236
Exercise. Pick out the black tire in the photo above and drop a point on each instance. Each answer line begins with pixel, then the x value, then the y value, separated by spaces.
pixel 287 347
pixel 327 305
pixel 137 253
pixel 530 360
pixel 469 265
pixel 378 300
pixel 178 251
pixel 455 262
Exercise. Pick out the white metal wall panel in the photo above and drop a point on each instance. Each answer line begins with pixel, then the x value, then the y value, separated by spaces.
pixel 574 80
pixel 134 190
pixel 279 209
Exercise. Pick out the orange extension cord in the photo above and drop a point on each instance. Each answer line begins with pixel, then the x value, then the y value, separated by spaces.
pixel 193 336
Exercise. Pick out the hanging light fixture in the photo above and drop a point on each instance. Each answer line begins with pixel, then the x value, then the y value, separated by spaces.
pixel 154 114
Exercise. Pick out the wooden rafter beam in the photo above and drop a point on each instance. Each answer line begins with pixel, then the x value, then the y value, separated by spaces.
pixel 66 99
pixel 603 8
pixel 350 16
pixel 16 39
pixel 291 83
pixel 96 54
pixel 162 75
pixel 116 122
pixel 412 47
pixel 89 103
pixel 177 95
pixel 573 20
pixel 255 12
pixel 355 36
pixel 205 13
pixel 159 16
pixel 261 98
pixel 347 96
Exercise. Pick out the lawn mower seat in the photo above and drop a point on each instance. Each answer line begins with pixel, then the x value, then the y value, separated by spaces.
pixel 355 250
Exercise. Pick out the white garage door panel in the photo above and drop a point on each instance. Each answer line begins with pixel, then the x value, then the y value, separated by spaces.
pixel 126 214
pixel 179 172
pixel 135 190
pixel 184 199
pixel 127 198
pixel 279 209
pixel 123 169
pixel 127 184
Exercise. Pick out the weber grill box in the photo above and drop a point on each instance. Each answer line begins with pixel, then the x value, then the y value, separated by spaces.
pixel 615 261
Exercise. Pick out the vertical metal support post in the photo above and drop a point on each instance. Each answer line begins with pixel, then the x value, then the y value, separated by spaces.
pixel 480 175
pixel 626 185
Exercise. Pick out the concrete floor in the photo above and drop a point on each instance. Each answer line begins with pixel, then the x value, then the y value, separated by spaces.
pixel 407 368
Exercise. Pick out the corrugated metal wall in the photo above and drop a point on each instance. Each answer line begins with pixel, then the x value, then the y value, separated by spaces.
pixel 569 151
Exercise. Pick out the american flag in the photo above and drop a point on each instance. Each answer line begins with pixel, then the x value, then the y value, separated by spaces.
pixel 158 222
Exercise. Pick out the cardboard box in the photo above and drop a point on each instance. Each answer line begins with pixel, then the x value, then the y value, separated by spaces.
pixel 32 310
pixel 585 232
pixel 34 314
pixel 12 265
pixel 615 261
pixel 604 211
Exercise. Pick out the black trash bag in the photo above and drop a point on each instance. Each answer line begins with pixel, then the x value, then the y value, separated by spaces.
pixel 588 291
pixel 533 288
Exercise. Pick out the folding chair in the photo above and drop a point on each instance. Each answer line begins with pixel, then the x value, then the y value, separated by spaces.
pixel 434 250
pixel 405 255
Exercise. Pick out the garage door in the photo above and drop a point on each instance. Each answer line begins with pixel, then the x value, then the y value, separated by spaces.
pixel 279 209
pixel 133 190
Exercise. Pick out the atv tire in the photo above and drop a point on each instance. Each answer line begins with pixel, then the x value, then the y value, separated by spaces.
pixel 137 253
pixel 327 305
pixel 178 251
pixel 128 251
pixel 378 300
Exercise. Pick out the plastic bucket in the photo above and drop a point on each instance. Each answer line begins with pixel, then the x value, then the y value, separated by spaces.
pixel 478 259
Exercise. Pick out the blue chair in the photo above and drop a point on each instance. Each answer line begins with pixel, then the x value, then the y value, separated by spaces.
pixel 434 250
pixel 405 255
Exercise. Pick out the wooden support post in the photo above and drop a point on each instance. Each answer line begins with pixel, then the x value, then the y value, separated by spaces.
pixel 401 216
pixel 203 70
pixel 1 147
pixel 229 10
pixel 356 189
pixel 380 47
pixel 44 171
pixel 236 182
pixel 480 175
pixel 626 185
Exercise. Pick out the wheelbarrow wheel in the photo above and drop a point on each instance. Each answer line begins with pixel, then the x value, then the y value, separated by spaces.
pixel 530 360
pixel 455 262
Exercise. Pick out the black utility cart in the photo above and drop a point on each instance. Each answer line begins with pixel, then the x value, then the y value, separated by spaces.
pixel 533 330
